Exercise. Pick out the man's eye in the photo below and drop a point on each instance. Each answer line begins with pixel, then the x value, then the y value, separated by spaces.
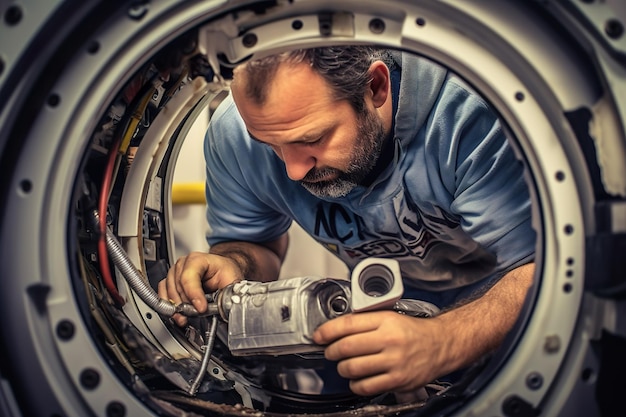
pixel 314 141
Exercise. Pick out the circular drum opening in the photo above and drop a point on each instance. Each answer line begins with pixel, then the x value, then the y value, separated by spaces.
pixel 97 101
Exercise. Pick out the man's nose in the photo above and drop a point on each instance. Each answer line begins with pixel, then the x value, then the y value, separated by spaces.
pixel 297 162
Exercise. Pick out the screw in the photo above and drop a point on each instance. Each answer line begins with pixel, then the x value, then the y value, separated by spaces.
pixel 515 406
pixel 116 409
pixel 93 47
pixel 26 186
pixel 377 26
pixel 54 100
pixel 13 15
pixel 560 176
pixel 65 329
pixel 249 40
pixel 534 380
pixel 614 28
pixel 89 378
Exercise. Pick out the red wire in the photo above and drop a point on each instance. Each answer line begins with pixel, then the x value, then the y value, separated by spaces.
pixel 103 255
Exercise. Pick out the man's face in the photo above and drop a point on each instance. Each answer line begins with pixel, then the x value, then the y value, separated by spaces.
pixel 325 145
pixel 368 142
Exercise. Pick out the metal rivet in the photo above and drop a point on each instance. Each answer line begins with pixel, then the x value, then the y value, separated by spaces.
pixel 116 409
pixel 65 329
pixel 54 100
pixel 614 29
pixel 13 15
pixel 377 26
pixel 93 47
pixel 515 406
pixel 26 186
pixel 89 378
pixel 534 380
pixel 249 40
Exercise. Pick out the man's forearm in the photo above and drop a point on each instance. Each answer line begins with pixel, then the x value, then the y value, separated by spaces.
pixel 480 326
pixel 258 262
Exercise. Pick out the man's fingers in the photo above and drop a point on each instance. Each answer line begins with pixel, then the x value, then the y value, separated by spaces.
pixel 346 325
pixel 360 344
pixel 191 275
pixel 180 320
pixel 167 290
pixel 173 292
pixel 183 285
pixel 191 280
pixel 162 289
pixel 373 385
pixel 358 367
pixel 371 374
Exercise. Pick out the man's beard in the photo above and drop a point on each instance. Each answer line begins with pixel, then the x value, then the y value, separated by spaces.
pixel 370 138
pixel 369 142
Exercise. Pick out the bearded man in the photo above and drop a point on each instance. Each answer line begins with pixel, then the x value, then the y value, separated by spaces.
pixel 374 153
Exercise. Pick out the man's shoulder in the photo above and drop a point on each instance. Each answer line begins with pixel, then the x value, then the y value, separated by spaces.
pixel 226 117
pixel 227 134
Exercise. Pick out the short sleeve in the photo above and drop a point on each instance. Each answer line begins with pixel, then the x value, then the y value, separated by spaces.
pixel 485 179
pixel 238 202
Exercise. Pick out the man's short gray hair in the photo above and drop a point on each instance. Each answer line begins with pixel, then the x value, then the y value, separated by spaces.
pixel 345 69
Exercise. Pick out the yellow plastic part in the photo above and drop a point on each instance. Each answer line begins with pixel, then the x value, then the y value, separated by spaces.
pixel 188 193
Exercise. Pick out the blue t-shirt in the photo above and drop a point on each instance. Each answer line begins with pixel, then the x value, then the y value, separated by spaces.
pixel 452 206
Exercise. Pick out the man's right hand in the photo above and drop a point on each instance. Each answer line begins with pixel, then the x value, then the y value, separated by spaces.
pixel 194 275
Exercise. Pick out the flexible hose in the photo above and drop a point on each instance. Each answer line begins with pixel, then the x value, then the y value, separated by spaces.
pixel 208 348
pixel 137 282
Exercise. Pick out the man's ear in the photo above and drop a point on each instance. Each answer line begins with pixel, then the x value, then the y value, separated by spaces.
pixel 381 83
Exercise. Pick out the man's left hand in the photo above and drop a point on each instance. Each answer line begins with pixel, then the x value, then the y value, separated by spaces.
pixel 384 351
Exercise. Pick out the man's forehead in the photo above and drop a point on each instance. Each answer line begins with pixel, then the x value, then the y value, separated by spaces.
pixel 283 72
pixel 291 87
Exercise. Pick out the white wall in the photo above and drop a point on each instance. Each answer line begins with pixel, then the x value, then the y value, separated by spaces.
pixel 188 220
pixel 307 257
